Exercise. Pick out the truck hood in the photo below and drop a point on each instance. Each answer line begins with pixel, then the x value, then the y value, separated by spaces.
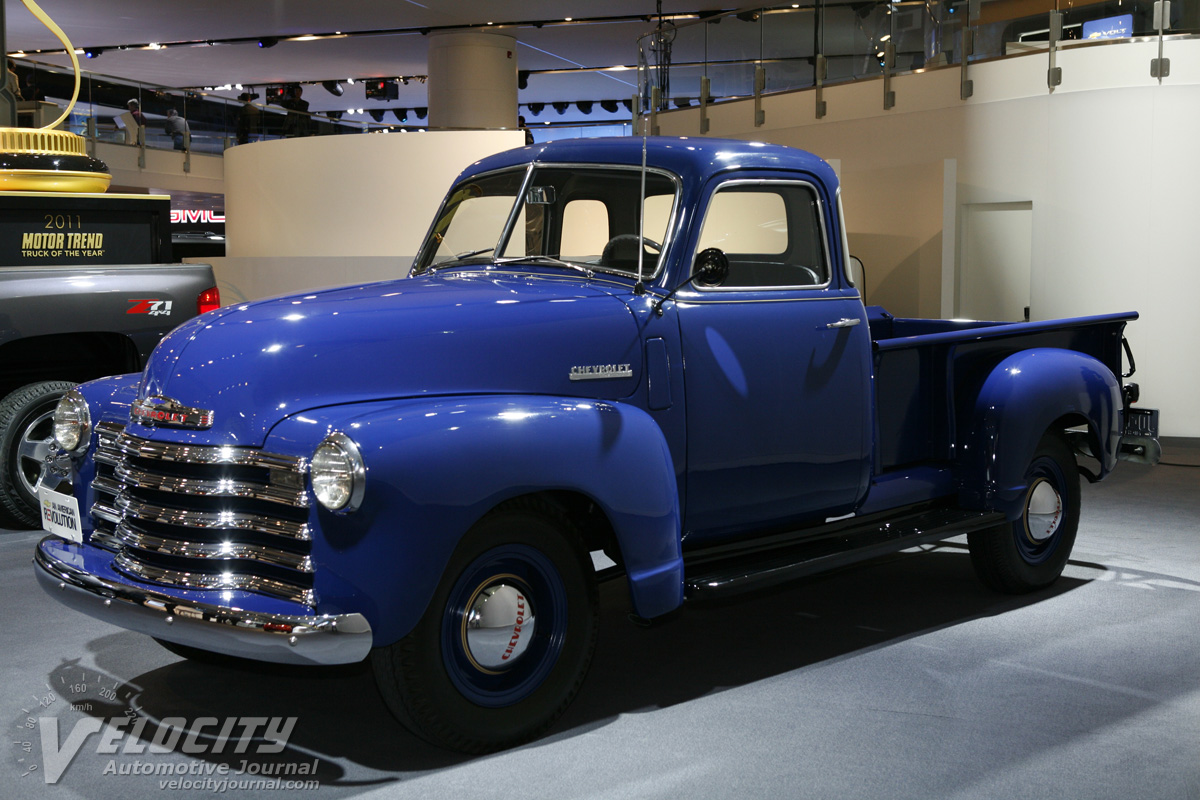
pixel 253 364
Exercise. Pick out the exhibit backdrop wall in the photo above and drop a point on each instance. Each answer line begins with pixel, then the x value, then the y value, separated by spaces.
pixel 1106 167
pixel 323 211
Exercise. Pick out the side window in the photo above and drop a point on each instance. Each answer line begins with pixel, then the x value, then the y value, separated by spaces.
pixel 584 230
pixel 770 232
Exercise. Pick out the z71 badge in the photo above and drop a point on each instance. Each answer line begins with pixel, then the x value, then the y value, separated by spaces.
pixel 155 308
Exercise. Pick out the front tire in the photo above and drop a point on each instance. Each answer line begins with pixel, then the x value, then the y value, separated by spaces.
pixel 1030 553
pixel 26 431
pixel 506 641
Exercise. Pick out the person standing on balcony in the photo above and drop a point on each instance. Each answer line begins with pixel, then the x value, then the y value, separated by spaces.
pixel 135 109
pixel 176 126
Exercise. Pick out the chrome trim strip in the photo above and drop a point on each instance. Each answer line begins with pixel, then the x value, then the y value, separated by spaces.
pixel 207 454
pixel 143 479
pixel 228 520
pixel 691 300
pixel 285 639
pixel 213 551
pixel 106 485
pixel 106 513
pixel 225 580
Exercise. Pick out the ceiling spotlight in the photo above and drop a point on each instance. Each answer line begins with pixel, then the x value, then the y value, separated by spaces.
pixel 561 108
pixel 404 80
pixel 92 52
pixel 628 103
pixel 335 88
pixel 584 106
pixel 401 114
pixel 610 106
pixel 350 81
pixel 536 108
pixel 750 16
pixel 421 112
pixel 377 114
pixel 268 41
pixel 523 79
pixel 683 102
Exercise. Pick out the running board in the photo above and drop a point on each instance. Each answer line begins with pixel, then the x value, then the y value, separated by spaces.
pixel 754 567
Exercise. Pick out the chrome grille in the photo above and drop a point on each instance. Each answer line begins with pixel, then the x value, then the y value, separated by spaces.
pixel 203 517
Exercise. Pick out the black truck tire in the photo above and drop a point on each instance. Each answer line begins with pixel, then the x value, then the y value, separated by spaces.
pixel 467 685
pixel 26 430
pixel 1030 553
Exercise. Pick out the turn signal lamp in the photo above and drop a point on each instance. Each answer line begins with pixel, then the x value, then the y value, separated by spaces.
pixel 46 160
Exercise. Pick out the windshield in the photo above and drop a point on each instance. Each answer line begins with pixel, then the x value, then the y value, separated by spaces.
pixel 584 216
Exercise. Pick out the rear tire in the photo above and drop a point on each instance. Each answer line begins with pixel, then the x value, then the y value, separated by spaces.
pixel 26 431
pixel 1030 553
pixel 506 641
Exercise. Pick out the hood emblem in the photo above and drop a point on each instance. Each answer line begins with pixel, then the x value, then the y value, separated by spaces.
pixel 600 372
pixel 170 413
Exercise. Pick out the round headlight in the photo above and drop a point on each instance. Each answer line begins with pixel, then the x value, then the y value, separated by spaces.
pixel 72 421
pixel 338 473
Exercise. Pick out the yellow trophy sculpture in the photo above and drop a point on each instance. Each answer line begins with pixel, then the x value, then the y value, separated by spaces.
pixel 46 160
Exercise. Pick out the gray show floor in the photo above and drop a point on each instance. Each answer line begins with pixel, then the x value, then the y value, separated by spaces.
pixel 900 678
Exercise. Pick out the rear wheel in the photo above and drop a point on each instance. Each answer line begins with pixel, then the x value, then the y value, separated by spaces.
pixel 26 431
pixel 506 641
pixel 1030 553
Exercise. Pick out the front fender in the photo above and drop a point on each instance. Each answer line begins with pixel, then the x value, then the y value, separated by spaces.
pixel 436 466
pixel 1022 398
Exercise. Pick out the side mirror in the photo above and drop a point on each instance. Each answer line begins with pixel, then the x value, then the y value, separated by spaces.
pixel 540 196
pixel 711 267
pixel 855 271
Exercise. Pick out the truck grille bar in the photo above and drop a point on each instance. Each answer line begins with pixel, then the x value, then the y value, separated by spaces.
pixel 203 517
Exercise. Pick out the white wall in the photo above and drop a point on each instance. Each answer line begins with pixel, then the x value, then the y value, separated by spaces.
pixel 1109 161
pixel 323 211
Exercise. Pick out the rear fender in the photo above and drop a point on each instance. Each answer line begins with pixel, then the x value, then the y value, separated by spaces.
pixel 1022 398
pixel 436 466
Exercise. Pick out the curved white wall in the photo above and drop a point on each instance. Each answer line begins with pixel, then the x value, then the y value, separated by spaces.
pixel 1108 161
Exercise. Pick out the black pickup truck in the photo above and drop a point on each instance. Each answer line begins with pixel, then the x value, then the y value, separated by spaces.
pixel 63 325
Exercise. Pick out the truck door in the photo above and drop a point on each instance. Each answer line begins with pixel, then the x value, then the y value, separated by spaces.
pixel 776 366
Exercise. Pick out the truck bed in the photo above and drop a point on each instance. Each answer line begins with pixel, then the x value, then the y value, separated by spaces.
pixel 928 372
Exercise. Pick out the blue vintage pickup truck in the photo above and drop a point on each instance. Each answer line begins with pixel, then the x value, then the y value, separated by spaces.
pixel 652 350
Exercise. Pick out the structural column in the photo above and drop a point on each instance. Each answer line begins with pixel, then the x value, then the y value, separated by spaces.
pixel 472 80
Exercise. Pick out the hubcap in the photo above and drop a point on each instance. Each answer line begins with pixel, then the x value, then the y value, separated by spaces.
pixel 1044 512
pixel 499 625
pixel 33 447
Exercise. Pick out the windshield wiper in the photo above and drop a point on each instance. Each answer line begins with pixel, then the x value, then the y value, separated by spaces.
pixel 457 258
pixel 558 262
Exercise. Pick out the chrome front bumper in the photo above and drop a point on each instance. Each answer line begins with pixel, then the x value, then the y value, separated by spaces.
pixel 279 638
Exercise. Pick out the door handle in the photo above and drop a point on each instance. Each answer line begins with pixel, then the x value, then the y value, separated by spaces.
pixel 844 322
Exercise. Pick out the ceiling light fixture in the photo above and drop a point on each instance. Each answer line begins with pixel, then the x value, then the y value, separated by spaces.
pixel 268 41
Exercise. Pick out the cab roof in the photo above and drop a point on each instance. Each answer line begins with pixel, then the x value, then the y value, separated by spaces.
pixel 691 158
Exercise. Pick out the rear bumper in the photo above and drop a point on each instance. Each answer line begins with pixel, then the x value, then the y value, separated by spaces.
pixel 278 638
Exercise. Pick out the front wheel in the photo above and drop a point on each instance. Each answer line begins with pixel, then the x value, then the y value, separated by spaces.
pixel 1030 553
pixel 506 641
pixel 26 431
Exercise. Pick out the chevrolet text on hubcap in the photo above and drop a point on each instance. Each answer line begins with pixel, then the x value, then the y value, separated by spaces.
pixel 498 625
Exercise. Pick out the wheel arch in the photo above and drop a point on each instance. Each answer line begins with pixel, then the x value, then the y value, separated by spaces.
pixel 75 357
pixel 1027 395
pixel 436 467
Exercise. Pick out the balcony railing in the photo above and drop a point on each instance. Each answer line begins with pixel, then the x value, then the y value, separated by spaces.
pixel 690 61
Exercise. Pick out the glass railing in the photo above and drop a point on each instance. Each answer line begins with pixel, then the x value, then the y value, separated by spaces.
pixel 784 45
